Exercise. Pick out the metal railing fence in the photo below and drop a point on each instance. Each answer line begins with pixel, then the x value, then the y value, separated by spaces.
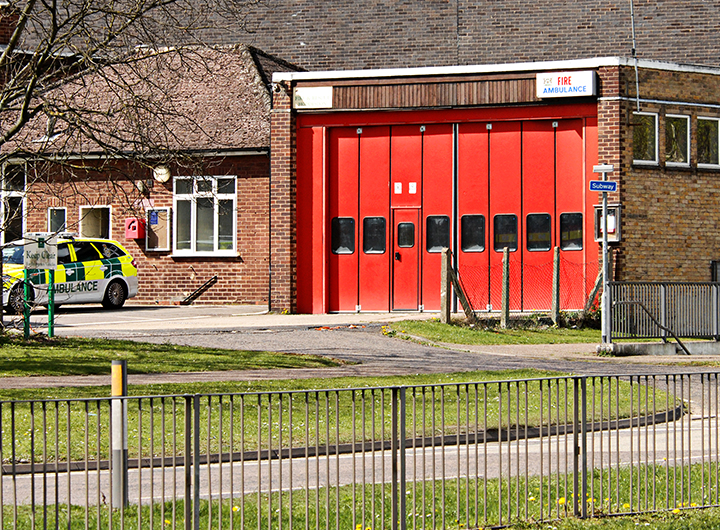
pixel 470 454
pixel 650 309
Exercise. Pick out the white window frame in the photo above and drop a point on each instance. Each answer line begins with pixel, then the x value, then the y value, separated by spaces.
pixel 95 207
pixel 7 194
pixel 687 140
pixel 193 196
pixel 717 120
pixel 51 209
pixel 657 134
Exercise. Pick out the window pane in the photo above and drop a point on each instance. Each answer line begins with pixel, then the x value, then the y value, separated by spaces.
pixel 374 235
pixel 343 235
pixel 183 186
pixel 13 222
pixel 57 220
pixel 182 215
pixel 472 233
pixel 84 251
pixel 571 231
pixel 707 142
pixel 225 225
pixel 438 233
pixel 505 228
pixel 538 232
pixel 205 225
pixel 644 137
pixel 406 235
pixel 108 250
pixel 14 177
pixel 63 253
pixel 226 185
pixel 676 139
pixel 204 185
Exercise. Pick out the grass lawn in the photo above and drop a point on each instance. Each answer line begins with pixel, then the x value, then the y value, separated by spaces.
pixel 435 331
pixel 75 356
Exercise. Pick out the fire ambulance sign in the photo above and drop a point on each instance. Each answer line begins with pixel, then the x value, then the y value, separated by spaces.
pixel 565 84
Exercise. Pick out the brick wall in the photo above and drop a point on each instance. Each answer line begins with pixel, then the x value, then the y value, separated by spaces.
pixel 670 214
pixel 359 34
pixel 165 279
pixel 283 191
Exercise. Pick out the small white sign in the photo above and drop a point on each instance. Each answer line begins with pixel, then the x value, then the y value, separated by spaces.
pixel 315 97
pixel 398 188
pixel 566 84
pixel 412 188
pixel 40 251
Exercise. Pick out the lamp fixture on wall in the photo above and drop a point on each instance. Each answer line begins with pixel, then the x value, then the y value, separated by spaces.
pixel 161 174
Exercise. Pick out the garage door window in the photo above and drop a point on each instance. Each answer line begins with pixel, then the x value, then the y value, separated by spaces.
pixel 538 232
pixel 205 216
pixel 571 231
pixel 374 235
pixel 342 235
pixel 506 233
pixel 472 233
pixel 438 233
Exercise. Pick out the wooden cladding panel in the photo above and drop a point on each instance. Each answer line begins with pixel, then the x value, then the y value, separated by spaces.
pixel 415 95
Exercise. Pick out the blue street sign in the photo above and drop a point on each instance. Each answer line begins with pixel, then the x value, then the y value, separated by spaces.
pixel 603 185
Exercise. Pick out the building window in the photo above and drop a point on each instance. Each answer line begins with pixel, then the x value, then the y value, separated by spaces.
pixel 374 235
pixel 571 231
pixel 406 235
pixel 472 233
pixel 438 233
pixel 12 202
pixel 539 228
pixel 708 141
pixel 342 235
pixel 95 221
pixel 645 138
pixel 677 140
pixel 506 232
pixel 204 215
pixel 57 220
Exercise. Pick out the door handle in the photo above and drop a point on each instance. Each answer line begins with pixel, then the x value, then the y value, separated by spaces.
pixel 397 256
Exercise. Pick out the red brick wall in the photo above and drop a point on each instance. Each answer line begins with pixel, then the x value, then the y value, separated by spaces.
pixel 163 278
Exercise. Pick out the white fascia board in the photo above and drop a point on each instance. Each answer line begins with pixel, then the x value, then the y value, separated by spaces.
pixel 575 64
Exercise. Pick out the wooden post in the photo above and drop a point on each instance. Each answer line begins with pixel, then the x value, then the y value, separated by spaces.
pixel 445 301
pixel 556 288
pixel 505 309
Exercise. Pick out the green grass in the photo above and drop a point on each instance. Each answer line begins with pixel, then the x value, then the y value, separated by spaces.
pixel 76 356
pixel 435 331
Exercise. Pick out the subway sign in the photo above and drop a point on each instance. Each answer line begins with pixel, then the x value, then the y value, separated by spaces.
pixel 566 84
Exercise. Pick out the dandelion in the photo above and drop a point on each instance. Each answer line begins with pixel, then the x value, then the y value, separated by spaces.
pixel 168 521
pixel 531 498
pixel 236 508
pixel 693 504
pixel 676 511
pixel 626 506
pixel 561 500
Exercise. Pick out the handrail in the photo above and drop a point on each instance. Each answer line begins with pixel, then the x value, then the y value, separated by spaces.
pixel 658 324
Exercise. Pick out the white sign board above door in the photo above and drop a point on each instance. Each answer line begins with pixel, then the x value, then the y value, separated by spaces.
pixel 566 84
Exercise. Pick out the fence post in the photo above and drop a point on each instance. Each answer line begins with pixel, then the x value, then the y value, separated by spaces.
pixel 556 287
pixel 397 447
pixel 714 311
pixel 196 462
pixel 188 463
pixel 119 434
pixel 445 287
pixel 580 446
pixel 663 311
pixel 505 309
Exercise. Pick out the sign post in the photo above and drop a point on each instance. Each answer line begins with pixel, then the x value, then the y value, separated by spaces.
pixel 604 186
pixel 40 253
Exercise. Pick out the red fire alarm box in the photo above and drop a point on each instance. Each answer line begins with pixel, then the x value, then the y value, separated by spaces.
pixel 134 228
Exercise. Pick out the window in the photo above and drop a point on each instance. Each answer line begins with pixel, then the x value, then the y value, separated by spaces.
pixel 57 219
pixel 95 221
pixel 708 141
pixel 571 231
pixel 438 233
pixel 645 138
pixel 406 235
pixel 12 203
pixel 505 228
pixel 85 251
pixel 677 140
pixel 472 233
pixel 374 235
pixel 538 228
pixel 63 254
pixel 343 235
pixel 204 215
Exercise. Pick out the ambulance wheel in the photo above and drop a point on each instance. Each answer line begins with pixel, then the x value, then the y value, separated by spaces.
pixel 16 304
pixel 115 296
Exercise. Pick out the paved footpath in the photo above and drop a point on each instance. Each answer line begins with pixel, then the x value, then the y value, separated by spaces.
pixel 353 338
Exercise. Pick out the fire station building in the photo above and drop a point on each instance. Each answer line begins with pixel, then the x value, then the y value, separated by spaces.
pixel 374 172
